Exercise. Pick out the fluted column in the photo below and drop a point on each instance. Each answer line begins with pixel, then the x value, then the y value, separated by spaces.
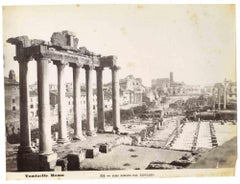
pixel 45 144
pixel 100 101
pixel 62 119
pixel 25 131
pixel 115 99
pixel 89 102
pixel 78 135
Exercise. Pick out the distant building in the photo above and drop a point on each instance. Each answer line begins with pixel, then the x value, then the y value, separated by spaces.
pixel 168 87
pixel 11 92
pixel 161 83
pixel 131 90
pixel 232 93
pixel 33 103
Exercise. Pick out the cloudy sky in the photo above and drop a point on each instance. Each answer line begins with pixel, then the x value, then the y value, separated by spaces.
pixel 196 42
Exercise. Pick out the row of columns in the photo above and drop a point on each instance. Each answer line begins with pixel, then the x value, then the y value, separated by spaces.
pixel 219 92
pixel 45 144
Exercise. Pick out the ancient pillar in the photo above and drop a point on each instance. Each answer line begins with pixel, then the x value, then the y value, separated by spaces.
pixel 89 101
pixel 225 98
pixel 62 120
pixel 115 99
pixel 78 135
pixel 214 98
pixel 219 99
pixel 100 100
pixel 47 159
pixel 25 132
pixel 45 146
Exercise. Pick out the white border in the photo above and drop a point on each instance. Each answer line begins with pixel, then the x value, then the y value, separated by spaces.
pixel 219 180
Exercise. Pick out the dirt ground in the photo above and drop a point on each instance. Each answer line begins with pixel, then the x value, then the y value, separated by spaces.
pixel 130 157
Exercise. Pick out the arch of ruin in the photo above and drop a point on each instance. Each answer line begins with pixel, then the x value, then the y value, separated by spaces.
pixel 62 51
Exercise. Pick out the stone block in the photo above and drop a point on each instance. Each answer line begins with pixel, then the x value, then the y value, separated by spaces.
pixel 61 163
pixel 73 162
pixel 104 148
pixel 64 39
pixel 47 162
pixel 136 140
pixel 92 152
pixel 27 162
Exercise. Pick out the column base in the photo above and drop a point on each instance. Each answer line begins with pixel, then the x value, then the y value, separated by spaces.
pixel 101 130
pixel 63 140
pixel 79 137
pixel 27 161
pixel 91 133
pixel 25 149
pixel 47 162
pixel 116 130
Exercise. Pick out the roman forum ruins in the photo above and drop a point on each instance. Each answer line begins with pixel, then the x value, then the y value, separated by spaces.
pixel 61 51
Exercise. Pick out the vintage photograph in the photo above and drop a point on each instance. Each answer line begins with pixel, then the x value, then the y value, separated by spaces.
pixel 98 91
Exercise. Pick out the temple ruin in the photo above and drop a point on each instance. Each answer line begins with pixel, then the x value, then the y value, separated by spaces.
pixel 63 52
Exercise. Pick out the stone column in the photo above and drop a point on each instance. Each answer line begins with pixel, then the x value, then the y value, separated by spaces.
pixel 45 144
pixel 62 119
pixel 78 135
pixel 89 101
pixel 225 98
pixel 214 98
pixel 47 159
pixel 100 101
pixel 115 99
pixel 219 99
pixel 25 131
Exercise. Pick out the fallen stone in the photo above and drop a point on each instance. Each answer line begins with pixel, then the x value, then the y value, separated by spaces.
pixel 104 148
pixel 61 163
pixel 73 162
pixel 47 162
pixel 90 153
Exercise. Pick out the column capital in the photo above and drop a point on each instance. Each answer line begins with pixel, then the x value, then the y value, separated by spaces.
pixel 39 57
pixel 60 62
pixel 99 69
pixel 89 67
pixel 76 65
pixel 115 68
pixel 23 58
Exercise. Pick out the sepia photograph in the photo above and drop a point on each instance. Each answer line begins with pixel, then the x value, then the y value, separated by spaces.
pixel 119 91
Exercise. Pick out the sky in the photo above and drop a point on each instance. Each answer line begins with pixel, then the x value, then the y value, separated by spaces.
pixel 195 42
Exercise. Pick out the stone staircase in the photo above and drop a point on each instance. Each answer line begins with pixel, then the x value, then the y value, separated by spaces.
pixel 185 140
pixel 204 136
